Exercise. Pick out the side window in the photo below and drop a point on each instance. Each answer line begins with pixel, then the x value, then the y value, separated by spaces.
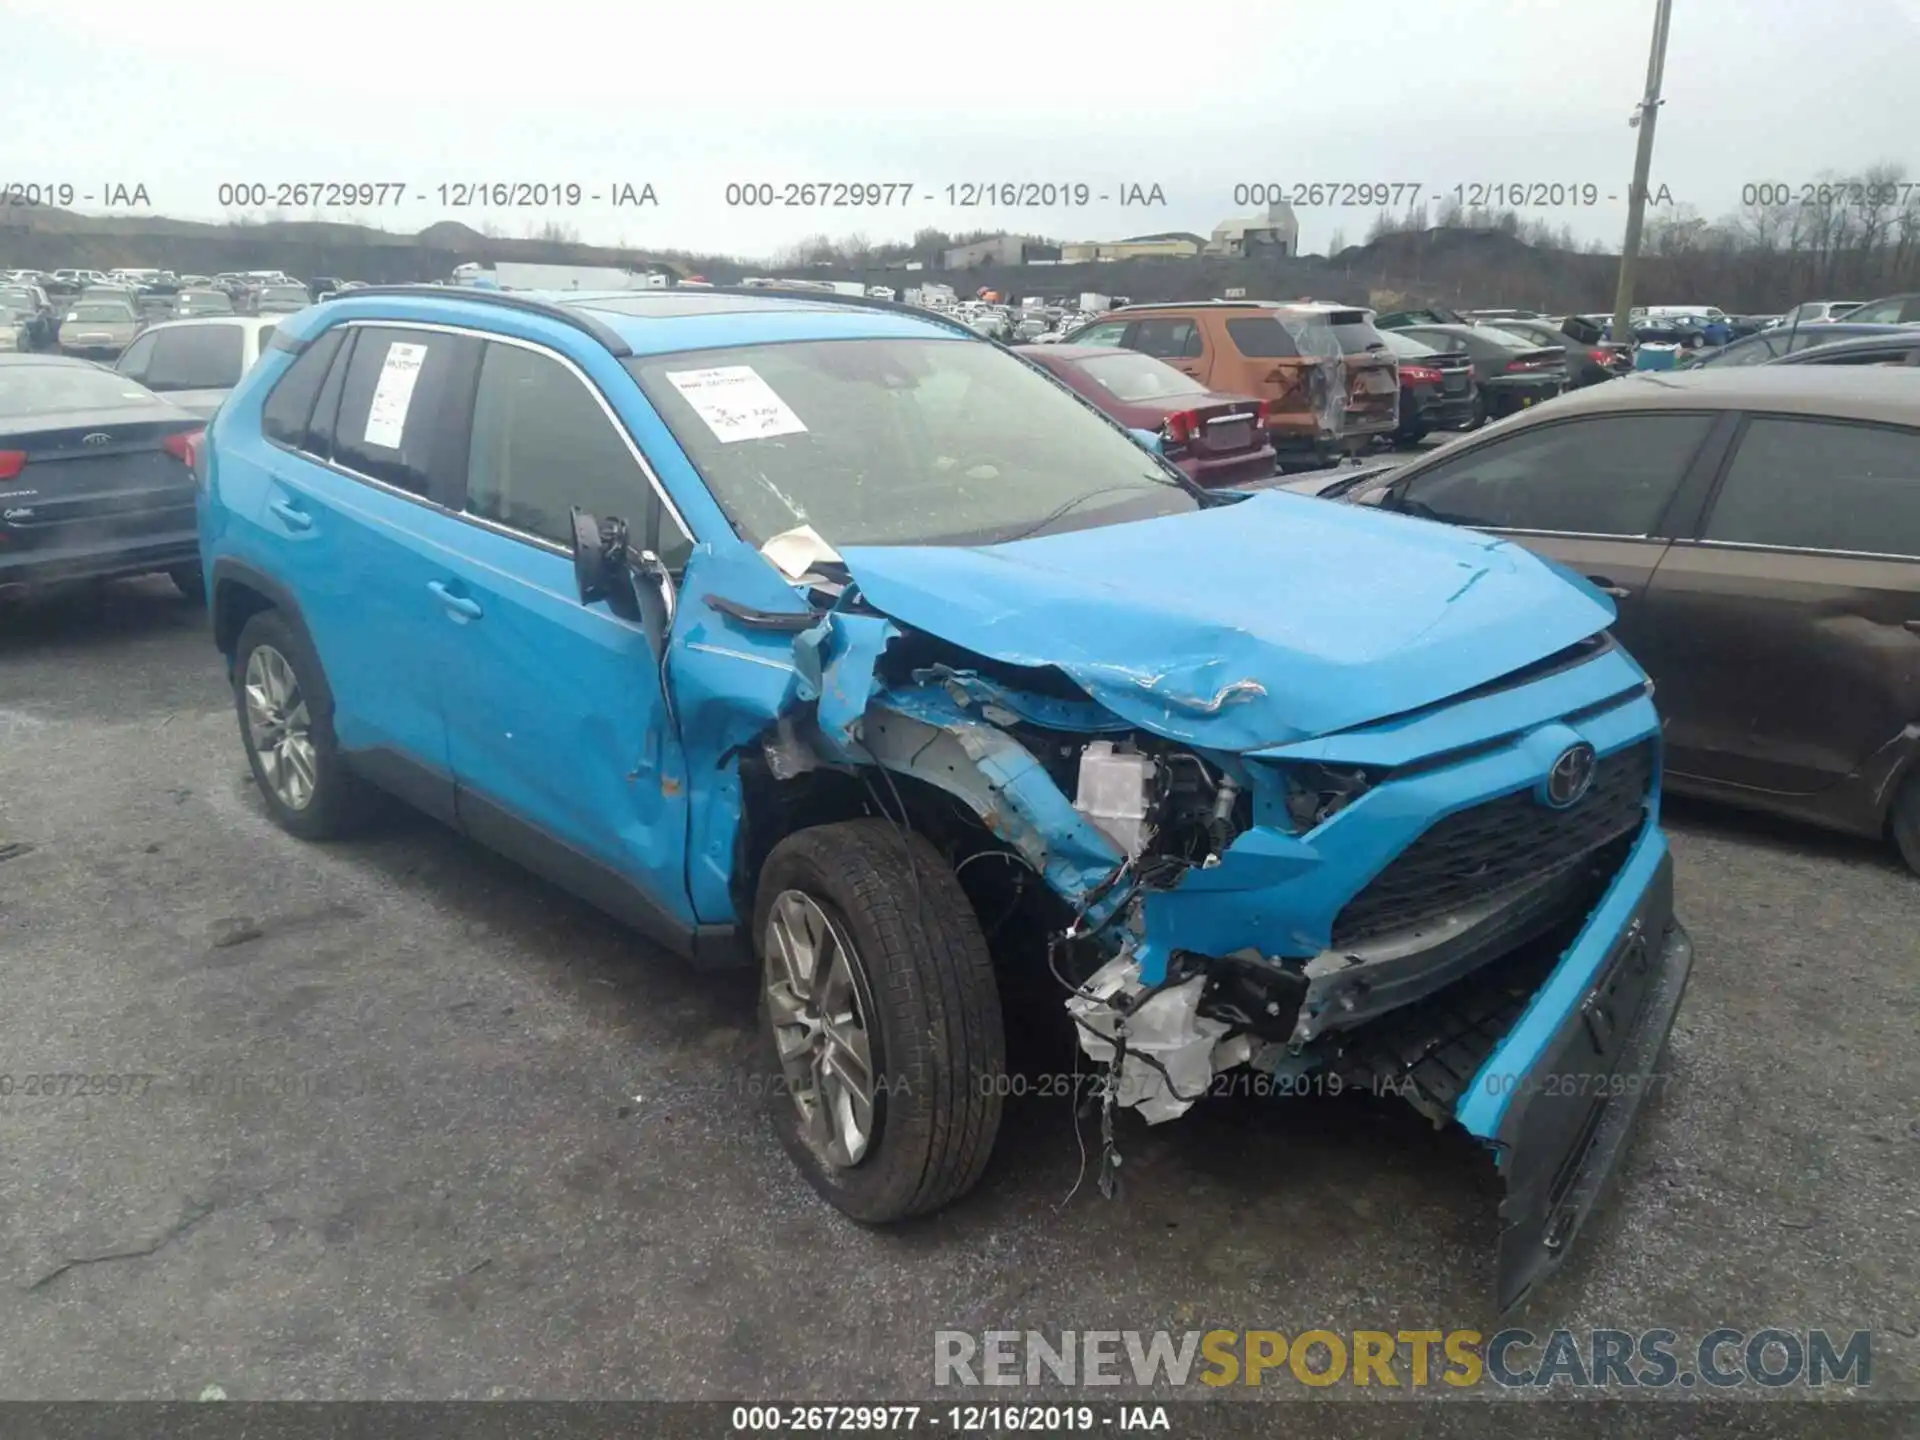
pixel 1822 485
pixel 133 360
pixel 1105 334
pixel 197 357
pixel 1865 357
pixel 262 341
pixel 1886 312
pixel 289 408
pixel 1167 339
pixel 1611 476
pixel 543 443
pixel 396 384
pixel 1756 351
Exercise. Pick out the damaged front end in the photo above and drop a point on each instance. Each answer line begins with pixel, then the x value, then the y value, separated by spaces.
pixel 1454 889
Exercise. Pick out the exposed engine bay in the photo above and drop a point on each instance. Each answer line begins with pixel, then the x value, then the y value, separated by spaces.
pixel 1165 945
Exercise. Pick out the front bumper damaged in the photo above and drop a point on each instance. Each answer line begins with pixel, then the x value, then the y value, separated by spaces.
pixel 1441 927
pixel 1560 1095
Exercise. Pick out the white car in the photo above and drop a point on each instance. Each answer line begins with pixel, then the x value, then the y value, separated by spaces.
pixel 194 363
pixel 1813 312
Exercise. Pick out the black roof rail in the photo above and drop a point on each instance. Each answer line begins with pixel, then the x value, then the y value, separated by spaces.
pixel 820 297
pixel 1197 304
pixel 566 314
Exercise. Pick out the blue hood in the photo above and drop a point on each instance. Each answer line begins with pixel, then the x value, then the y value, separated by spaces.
pixel 1260 623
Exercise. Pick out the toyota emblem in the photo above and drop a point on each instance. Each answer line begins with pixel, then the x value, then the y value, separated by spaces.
pixel 1571 776
pixel 99 437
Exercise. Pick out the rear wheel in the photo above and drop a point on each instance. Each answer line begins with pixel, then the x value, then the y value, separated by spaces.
pixel 1905 821
pixel 286 726
pixel 190 581
pixel 884 1046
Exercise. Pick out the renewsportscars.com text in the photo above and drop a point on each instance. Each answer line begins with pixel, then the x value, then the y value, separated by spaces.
pixel 1607 1359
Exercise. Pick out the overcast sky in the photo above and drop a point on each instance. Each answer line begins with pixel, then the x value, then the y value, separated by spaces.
pixel 184 96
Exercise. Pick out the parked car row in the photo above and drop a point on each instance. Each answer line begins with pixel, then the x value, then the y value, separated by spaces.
pixel 1329 380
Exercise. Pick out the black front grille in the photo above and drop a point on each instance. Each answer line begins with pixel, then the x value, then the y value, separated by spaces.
pixel 1496 846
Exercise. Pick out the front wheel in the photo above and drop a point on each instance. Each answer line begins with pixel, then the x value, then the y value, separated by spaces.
pixel 190 581
pixel 885 1051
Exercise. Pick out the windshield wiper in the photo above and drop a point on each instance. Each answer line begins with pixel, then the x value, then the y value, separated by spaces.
pixel 1059 510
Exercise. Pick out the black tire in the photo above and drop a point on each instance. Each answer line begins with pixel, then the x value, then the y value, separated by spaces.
pixel 1411 437
pixel 190 581
pixel 1480 413
pixel 342 803
pixel 1904 822
pixel 932 1015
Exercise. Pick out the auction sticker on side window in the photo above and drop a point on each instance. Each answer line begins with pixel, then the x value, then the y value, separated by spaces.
pixel 393 393
pixel 736 403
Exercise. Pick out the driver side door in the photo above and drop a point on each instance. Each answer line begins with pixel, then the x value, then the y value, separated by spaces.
pixel 562 743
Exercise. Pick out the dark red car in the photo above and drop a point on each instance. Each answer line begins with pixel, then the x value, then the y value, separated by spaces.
pixel 1219 440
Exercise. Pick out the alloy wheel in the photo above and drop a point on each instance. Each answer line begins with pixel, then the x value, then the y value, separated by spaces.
pixel 280 727
pixel 826 1056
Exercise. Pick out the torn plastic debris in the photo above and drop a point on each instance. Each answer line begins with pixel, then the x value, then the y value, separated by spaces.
pixel 1328 381
pixel 1171 1052
pixel 799 550
pixel 836 660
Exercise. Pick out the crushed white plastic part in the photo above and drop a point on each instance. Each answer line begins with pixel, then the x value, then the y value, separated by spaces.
pixel 798 550
pixel 1168 1027
pixel 1115 793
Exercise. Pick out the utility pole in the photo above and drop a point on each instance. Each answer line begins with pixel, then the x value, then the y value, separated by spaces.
pixel 1644 118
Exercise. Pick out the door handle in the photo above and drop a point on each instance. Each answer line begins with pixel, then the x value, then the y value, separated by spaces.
pixel 458 605
pixel 1607 587
pixel 295 519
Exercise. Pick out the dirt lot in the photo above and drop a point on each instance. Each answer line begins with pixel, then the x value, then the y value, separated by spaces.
pixel 423 1127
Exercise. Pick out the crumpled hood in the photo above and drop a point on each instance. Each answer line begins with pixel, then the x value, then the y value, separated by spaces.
pixel 1260 623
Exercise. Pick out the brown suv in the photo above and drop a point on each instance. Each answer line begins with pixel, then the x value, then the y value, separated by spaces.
pixel 1329 381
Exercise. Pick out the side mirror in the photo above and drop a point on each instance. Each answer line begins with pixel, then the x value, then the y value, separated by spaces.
pixel 634 583
pixel 1148 440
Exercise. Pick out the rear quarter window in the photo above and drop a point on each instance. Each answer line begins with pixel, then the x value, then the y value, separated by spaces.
pixel 289 408
pixel 1262 337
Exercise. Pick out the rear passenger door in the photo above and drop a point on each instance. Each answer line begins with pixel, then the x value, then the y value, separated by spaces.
pixel 1593 494
pixel 359 450
pixel 1790 629
pixel 561 740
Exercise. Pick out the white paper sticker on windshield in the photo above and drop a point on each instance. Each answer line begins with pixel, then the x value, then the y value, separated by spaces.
pixel 393 393
pixel 736 403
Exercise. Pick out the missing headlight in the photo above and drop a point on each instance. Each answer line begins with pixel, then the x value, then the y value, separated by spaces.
pixel 1316 793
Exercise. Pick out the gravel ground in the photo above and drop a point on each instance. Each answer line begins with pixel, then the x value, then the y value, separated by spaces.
pixel 423 1127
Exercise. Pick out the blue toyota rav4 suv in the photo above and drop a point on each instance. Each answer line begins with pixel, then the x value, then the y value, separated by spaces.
pixel 831 638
